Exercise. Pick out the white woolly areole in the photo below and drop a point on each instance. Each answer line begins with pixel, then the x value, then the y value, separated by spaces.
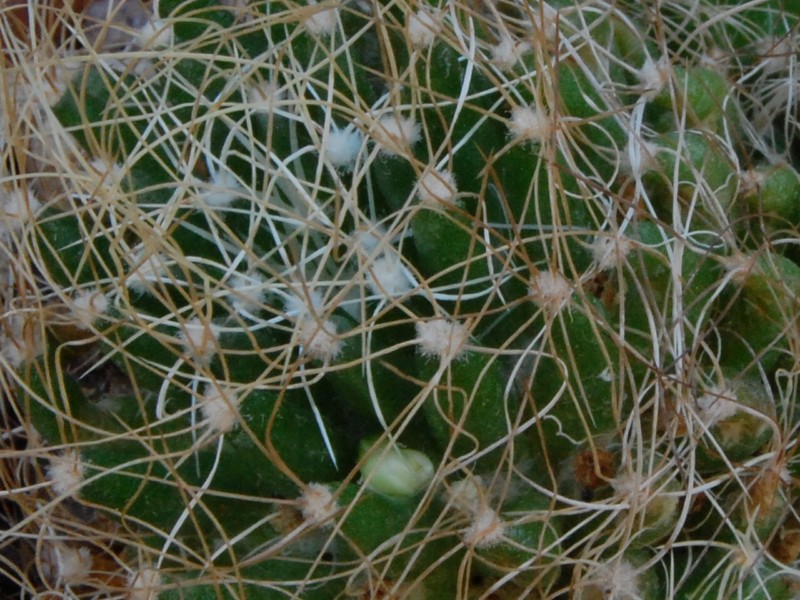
pixel 144 584
pixel 248 292
pixel 341 147
pixel 717 405
pixel 486 529
pixel 607 251
pixel 220 408
pixel 544 19
pixel 437 186
pixel 199 340
pixel 618 581
pixel 317 504
pixel 653 76
pixel 155 34
pixel 74 564
pixel 639 156
pixel 222 190
pixel 146 270
pixel 396 135
pixel 466 496
pixel 508 53
pixel 88 306
pixel 549 290
pixel 65 473
pixel 264 96
pixel 323 21
pixel 16 209
pixel 318 339
pixel 529 124
pixel 387 277
pixel 423 27
pixel 296 306
pixel 442 338
pixel 740 266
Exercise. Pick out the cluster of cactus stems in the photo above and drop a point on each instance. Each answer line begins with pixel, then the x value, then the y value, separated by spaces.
pixel 402 299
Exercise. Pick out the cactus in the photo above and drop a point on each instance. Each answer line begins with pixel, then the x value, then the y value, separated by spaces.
pixel 401 299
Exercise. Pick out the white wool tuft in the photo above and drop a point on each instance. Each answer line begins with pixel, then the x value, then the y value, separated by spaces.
pixel 341 148
pixel 607 250
pixel 317 504
pixel 717 405
pixel 442 338
pixel 396 135
pixel 222 190
pixel 423 27
pixel 437 187
pixel 16 209
pixel 486 529
pixel 508 53
pixel 145 271
pixel 248 292
pixel 529 124
pixel 323 21
pixel 549 290
pixel 264 96
pixel 144 584
pixel 88 306
pixel 65 473
pixel 199 340
pixel 387 277
pixel 220 408
pixel 318 339
pixel 74 564
pixel 295 306
pixel 653 76
pixel 155 34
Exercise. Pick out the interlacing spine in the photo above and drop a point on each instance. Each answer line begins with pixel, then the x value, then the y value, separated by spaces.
pixel 407 299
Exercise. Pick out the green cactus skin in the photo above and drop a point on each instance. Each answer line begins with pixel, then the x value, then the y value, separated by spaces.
pixel 527 547
pixel 716 572
pixel 694 167
pixel 598 472
pixel 765 290
pixel 468 411
pixel 772 192
pixel 571 409
pixel 701 95
pixel 738 421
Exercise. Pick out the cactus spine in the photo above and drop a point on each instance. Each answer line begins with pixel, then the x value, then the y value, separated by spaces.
pixel 405 299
